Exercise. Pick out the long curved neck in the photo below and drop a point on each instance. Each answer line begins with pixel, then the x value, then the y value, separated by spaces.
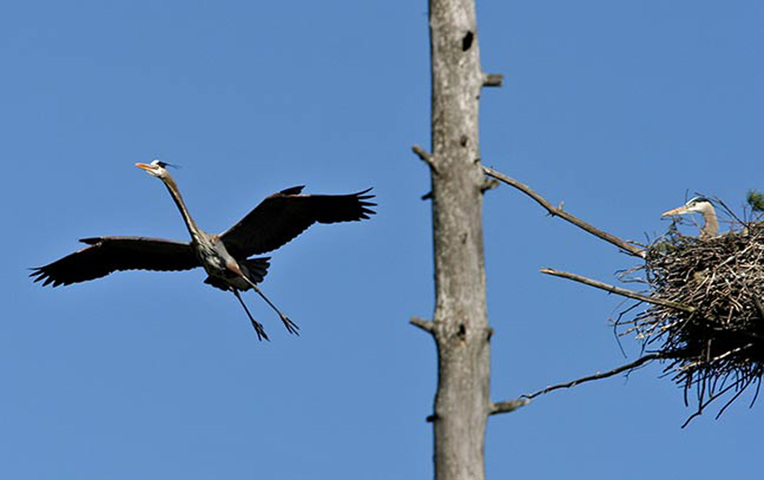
pixel 711 226
pixel 169 182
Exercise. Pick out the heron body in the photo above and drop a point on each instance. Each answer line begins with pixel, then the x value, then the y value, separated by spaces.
pixel 225 257
pixel 223 269
pixel 703 206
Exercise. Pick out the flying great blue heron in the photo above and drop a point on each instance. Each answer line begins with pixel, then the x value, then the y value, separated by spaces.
pixel 274 222
pixel 703 206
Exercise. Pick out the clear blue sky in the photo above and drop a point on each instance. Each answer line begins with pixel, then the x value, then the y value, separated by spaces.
pixel 616 108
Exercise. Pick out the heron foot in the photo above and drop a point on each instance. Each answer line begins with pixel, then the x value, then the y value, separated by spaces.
pixel 259 330
pixel 290 325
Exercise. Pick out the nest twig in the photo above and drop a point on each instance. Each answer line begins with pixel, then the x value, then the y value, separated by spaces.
pixel 718 348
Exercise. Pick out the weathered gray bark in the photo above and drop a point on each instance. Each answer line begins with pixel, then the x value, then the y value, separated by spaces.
pixel 460 323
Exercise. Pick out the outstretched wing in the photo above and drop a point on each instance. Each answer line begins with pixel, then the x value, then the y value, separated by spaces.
pixel 107 254
pixel 286 214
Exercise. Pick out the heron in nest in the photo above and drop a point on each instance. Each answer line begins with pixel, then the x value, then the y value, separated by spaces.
pixel 703 206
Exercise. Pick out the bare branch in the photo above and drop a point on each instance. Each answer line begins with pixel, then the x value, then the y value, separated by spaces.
pixel 559 212
pixel 489 184
pixel 597 376
pixel 508 406
pixel 493 79
pixel 617 290
pixel 425 157
pixel 425 325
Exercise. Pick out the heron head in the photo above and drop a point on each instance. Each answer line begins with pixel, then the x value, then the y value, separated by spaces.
pixel 697 204
pixel 155 168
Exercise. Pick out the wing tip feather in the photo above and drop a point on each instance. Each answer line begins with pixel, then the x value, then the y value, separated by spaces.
pixel 91 240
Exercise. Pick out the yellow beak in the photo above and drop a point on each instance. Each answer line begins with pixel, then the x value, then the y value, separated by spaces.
pixel 144 166
pixel 676 211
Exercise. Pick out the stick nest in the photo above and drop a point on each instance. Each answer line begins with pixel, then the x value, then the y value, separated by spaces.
pixel 714 348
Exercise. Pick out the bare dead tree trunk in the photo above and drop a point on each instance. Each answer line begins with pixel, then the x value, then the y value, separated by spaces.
pixel 460 323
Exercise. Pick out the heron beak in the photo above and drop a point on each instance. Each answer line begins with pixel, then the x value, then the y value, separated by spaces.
pixel 677 211
pixel 144 166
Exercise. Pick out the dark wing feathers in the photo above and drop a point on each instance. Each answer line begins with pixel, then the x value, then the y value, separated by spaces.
pixel 286 214
pixel 107 254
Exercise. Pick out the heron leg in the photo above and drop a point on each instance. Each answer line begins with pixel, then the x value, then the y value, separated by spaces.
pixel 258 326
pixel 290 325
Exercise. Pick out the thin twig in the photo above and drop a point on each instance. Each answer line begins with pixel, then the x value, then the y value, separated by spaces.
pixel 740 389
pixel 559 212
pixel 729 211
pixel 597 376
pixel 618 290
pixel 759 308
pixel 703 405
